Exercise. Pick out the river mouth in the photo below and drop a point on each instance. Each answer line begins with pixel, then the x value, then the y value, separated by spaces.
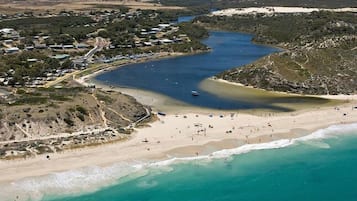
pixel 272 101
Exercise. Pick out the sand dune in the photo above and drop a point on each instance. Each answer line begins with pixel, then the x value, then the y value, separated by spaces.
pixel 272 10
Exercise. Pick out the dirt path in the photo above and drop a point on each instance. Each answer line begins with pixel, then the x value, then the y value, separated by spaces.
pixel 102 113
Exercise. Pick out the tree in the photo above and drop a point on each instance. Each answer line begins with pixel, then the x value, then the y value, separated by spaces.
pixel 103 34
pixel 67 64
pixel 52 63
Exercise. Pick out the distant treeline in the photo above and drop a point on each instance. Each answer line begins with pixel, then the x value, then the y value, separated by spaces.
pixel 284 28
pixel 72 25
pixel 19 67
pixel 119 35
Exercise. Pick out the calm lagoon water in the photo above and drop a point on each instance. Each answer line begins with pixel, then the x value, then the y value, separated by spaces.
pixel 177 77
pixel 307 170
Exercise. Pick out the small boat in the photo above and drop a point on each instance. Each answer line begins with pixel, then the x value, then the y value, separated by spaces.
pixel 161 113
pixel 195 93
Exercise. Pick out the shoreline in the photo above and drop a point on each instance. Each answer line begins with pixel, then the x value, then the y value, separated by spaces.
pixel 188 135
pixel 102 68
pixel 152 99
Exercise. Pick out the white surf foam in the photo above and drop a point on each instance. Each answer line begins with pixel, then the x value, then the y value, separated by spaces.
pixel 73 182
pixel 93 178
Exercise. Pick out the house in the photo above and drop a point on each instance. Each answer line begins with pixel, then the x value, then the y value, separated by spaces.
pixel 40 46
pixel 82 46
pixel 166 41
pixel 8 42
pixel 6 30
pixel 68 46
pixel 56 47
pixel 163 26
pixel 147 43
pixel 9 33
pixel 155 29
pixel 29 48
pixel 32 60
pixel 60 56
pixel 12 50
pixel 138 44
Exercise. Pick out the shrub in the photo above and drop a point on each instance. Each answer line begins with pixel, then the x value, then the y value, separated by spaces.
pixel 82 110
pixel 69 121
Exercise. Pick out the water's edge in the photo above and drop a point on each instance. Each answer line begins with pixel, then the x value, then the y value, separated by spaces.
pixel 94 178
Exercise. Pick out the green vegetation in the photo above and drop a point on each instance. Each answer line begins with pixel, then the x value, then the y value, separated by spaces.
pixel 71 25
pixel 60 39
pixel 45 95
pixel 22 69
pixel 188 47
pixel 123 34
pixel 59 97
pixel 105 98
pixel 31 100
pixel 284 28
pixel 69 121
pixel 80 116
pixel 193 31
pixel 320 56
pixel 129 33
pixel 82 110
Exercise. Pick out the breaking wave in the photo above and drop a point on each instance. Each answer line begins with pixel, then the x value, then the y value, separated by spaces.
pixel 93 178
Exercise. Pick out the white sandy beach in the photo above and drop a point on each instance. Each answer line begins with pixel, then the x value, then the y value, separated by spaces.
pixel 185 135
pixel 331 97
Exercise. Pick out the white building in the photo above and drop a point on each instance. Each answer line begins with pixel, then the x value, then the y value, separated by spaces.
pixel 12 50
pixel 9 33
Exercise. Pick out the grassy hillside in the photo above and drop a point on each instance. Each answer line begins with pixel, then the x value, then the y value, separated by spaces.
pixel 37 121
pixel 319 57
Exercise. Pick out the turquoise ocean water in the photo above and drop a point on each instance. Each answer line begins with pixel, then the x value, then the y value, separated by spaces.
pixel 321 166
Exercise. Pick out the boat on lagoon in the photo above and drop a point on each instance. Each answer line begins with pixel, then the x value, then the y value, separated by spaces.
pixel 161 113
pixel 195 93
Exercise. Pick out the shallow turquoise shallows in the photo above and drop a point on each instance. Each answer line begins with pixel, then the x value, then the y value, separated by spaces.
pixel 309 170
